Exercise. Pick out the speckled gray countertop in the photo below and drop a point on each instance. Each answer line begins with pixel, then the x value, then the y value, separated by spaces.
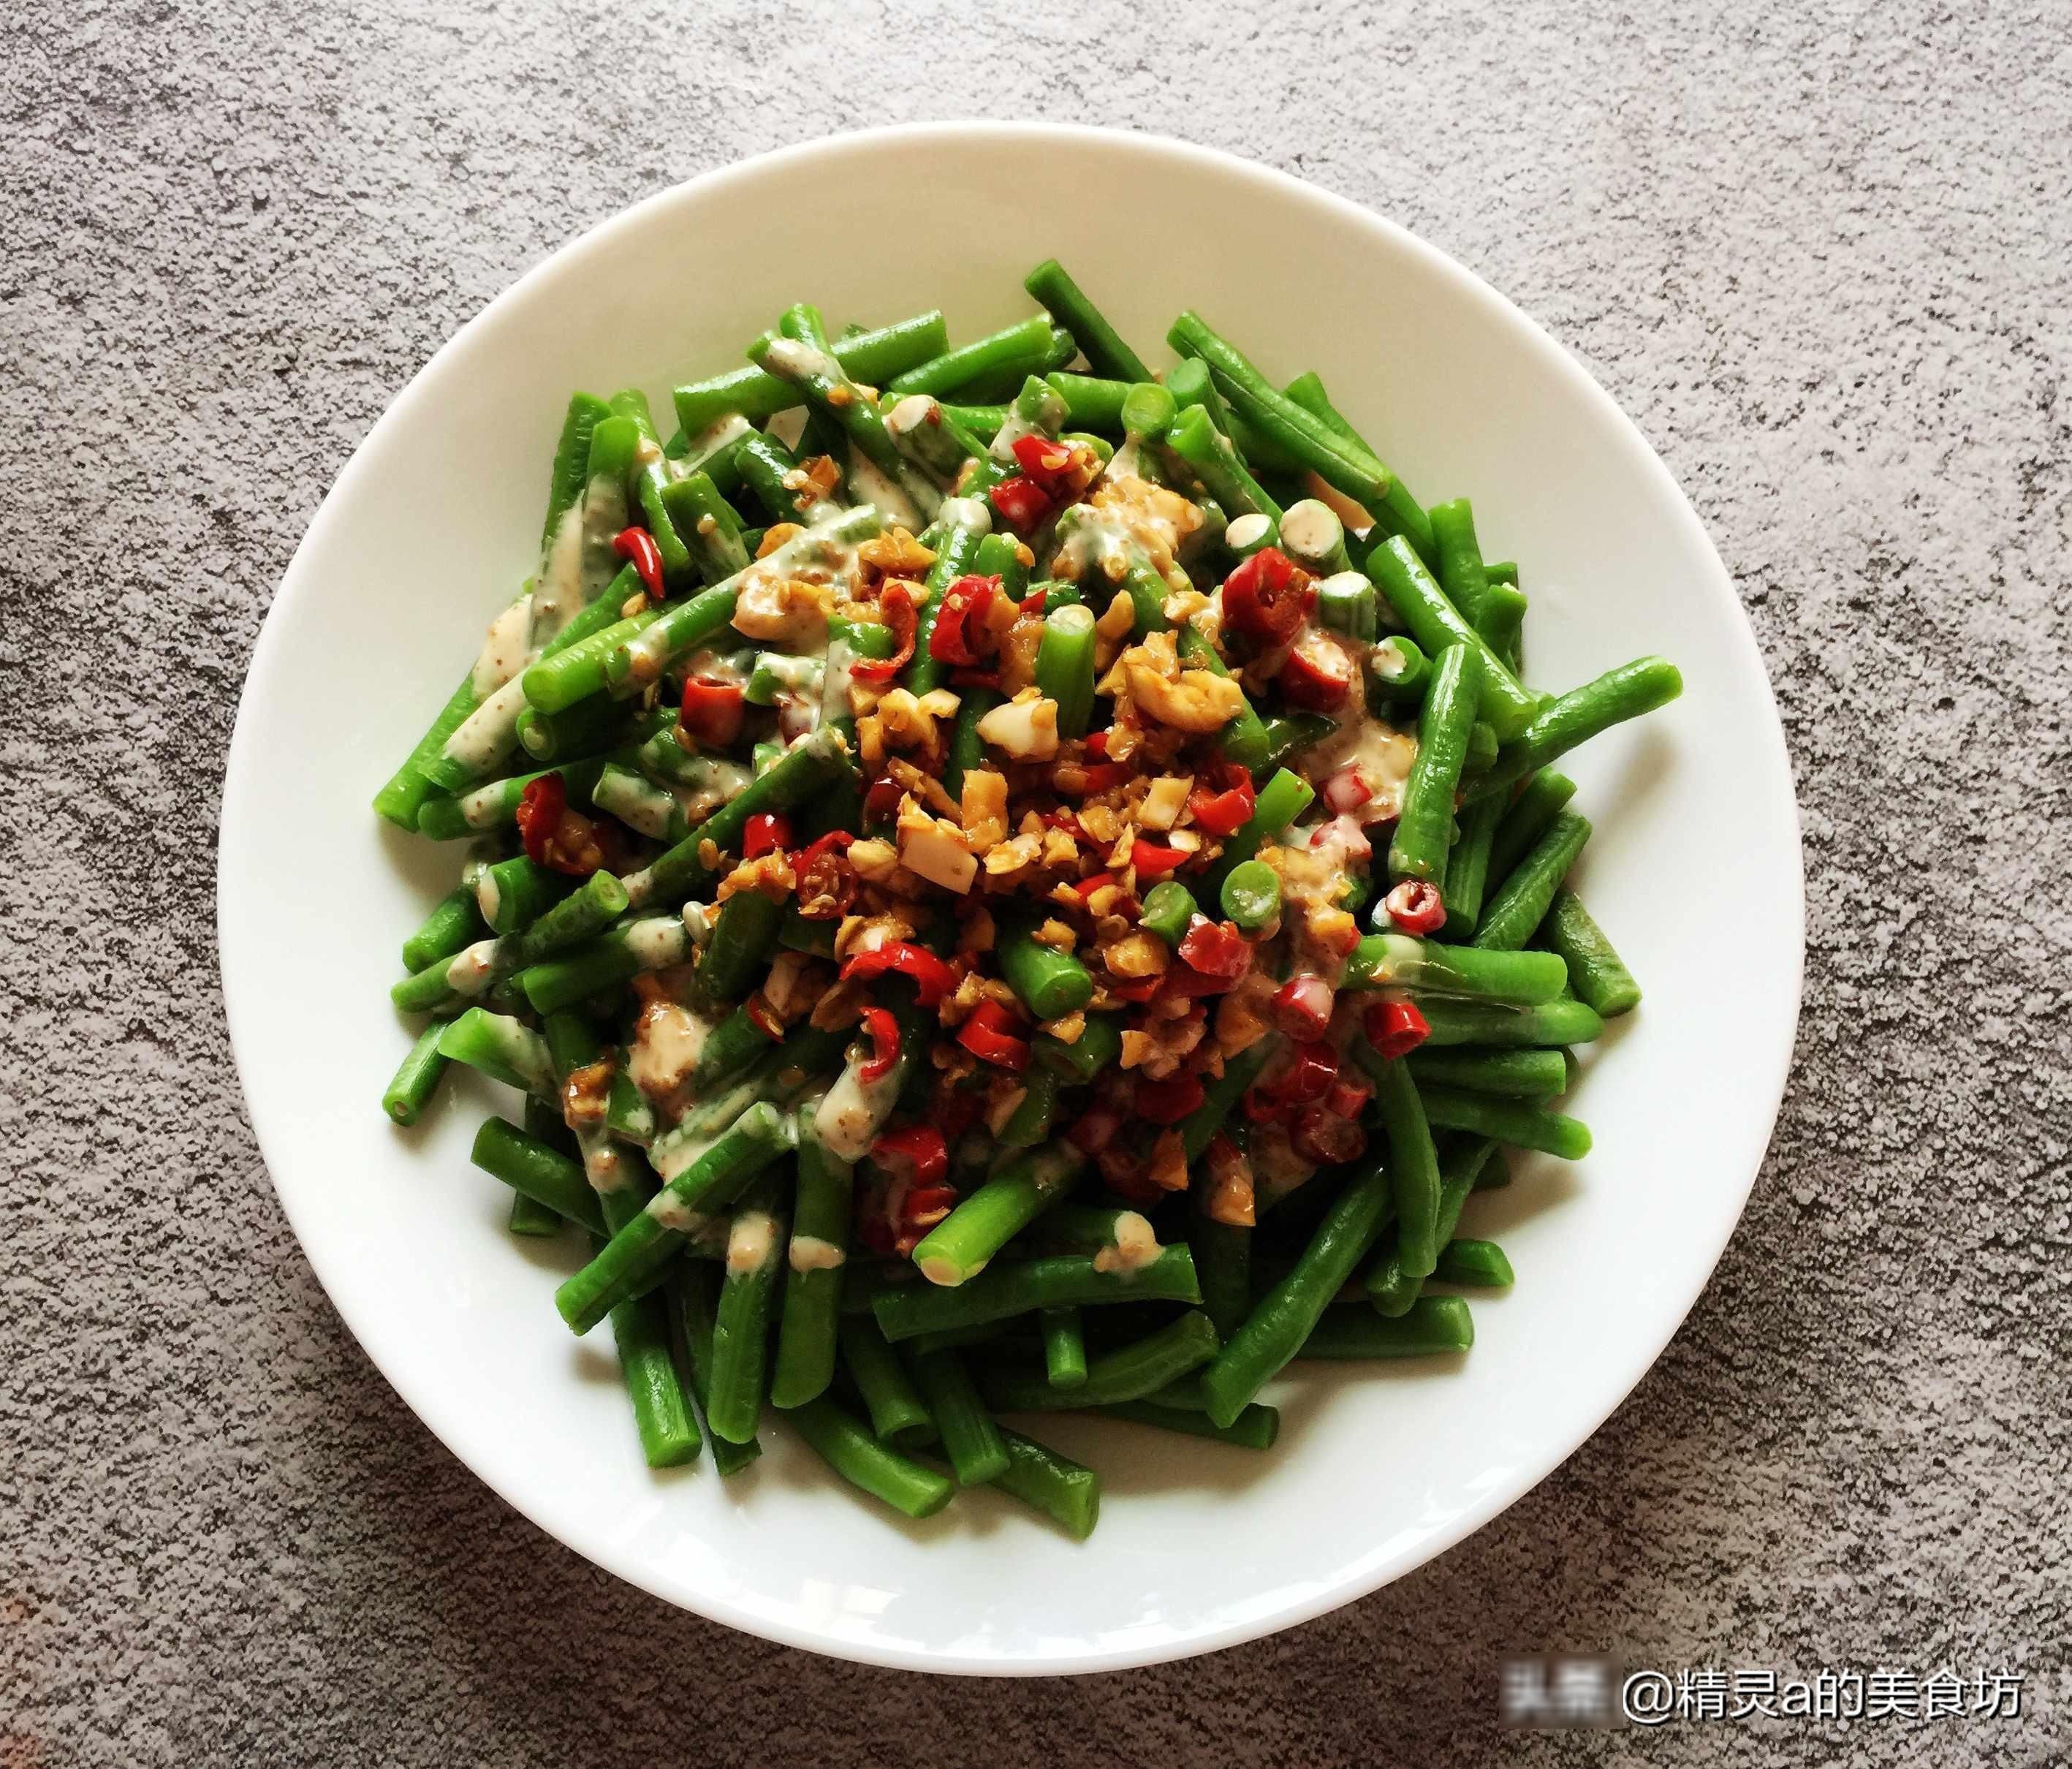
pixel 1823 255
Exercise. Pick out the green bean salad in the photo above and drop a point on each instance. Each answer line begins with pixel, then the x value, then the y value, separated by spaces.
pixel 1005 882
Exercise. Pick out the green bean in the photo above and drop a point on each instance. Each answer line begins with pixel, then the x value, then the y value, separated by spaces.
pixel 1579 714
pixel 1254 1428
pixel 693 1298
pixel 1288 734
pixel 1219 1097
pixel 980 420
pixel 1090 402
pixel 1097 1048
pixel 1208 454
pixel 1399 673
pixel 810 767
pixel 586 728
pixel 1346 468
pixel 1244 740
pixel 1425 829
pixel 1056 1282
pixel 1433 1326
pixel 495 806
pixel 527 1165
pixel 1521 1075
pixel 1474 1264
pixel 454 922
pixel 799 351
pixel 1098 342
pixel 1596 972
pixel 813 1292
pixel 1064 1348
pixel 743 937
pixel 512 893
pixel 1066 1493
pixel 1515 1121
pixel 417 1078
pixel 1538 801
pixel 1130 1372
pixel 1222 1262
pixel 1391 1285
pixel 531 1219
pixel 1458 566
pixel 628 1115
pixel 1029 1124
pixel 1426 968
pixel 873 357
pixel 1283 799
pixel 897 1413
pixel 958 1248
pixel 1345 603
pixel 741 1332
pixel 923 430
pixel 1168 910
pixel 970 1439
pixel 1550 1023
pixel 500 1047
pixel 571 466
pixel 1016 350
pixel 860 1459
pixel 1501 621
pixel 1126 1235
pixel 1276 1329
pixel 638 1253
pixel 579 972
pixel 585 912
pixel 710 528
pixel 1520 903
pixel 1065 668
pixel 1436 623
pixel 1250 895
pixel 1467 867
pixel 967 749
pixel 1313 535
pixel 1413 1160
pixel 1050 983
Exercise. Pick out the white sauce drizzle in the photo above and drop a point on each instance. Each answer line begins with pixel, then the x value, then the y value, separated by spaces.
pixel 1135 1246
pixel 504 652
pixel 657 942
pixel 810 1253
pixel 851 1112
pixel 472 968
pixel 672 1213
pixel 666 1048
pixel 485 737
pixel 750 1243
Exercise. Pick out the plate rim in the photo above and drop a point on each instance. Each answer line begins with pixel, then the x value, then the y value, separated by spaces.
pixel 241 761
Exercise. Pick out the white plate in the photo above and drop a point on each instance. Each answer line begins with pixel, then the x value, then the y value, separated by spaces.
pixel 423 538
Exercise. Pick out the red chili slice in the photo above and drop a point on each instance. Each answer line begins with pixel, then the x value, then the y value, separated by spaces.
pixel 881 800
pixel 639 545
pixel 1044 461
pixel 931 976
pixel 883 1032
pixel 1154 859
pixel 896 608
pixel 1033 602
pixel 565 840
pixel 1216 948
pixel 764 832
pixel 1170 1100
pixel 1346 792
pixel 1104 777
pixel 1321 1135
pixel 1268 597
pixel 1087 888
pixel 989 1035
pixel 1301 1007
pixel 1318 675
pixel 1141 990
pixel 1022 503
pixel 1397 1028
pixel 1416 907
pixel 1221 814
pixel 713 711
pixel 1312 1069
pixel 1261 1107
pixel 920 1145
pixel 827 885
pixel 1348 1098
pixel 1096 745
pixel 540 810
pixel 960 621
pixel 1181 979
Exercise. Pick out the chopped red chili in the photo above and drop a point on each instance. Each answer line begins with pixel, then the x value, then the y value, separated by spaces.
pixel 1321 1135
pixel 990 1035
pixel 826 883
pixel 763 832
pixel 1301 1007
pixel 896 608
pixel 960 627
pixel 1318 674
pixel 1170 1100
pixel 931 976
pixel 563 839
pixel 713 711
pixel 1154 859
pixel 882 1029
pixel 1216 948
pixel 638 545
pixel 1268 597
pixel 1397 1028
pixel 1221 814
pixel 1312 1069
pixel 1044 461
pixel 1022 503
pixel 1416 907
pixel 918 1145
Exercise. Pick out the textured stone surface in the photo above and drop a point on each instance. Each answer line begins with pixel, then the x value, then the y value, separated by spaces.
pixel 1820 253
